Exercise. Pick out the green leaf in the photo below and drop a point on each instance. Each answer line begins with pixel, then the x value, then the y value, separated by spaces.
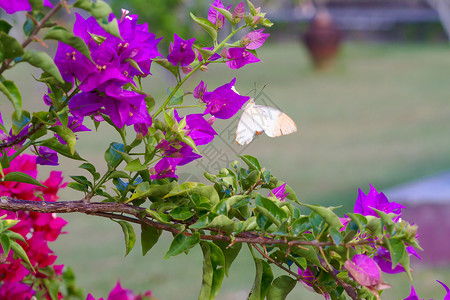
pixel 112 157
pixel 189 188
pixel 19 123
pixel 5 26
pixel 61 34
pixel 78 186
pixel 145 189
pixel 251 162
pixel 327 214
pixel 11 92
pixel 182 243
pixel 18 250
pixel 177 98
pixel 213 270
pixel 182 213
pixel 135 166
pixel 110 27
pixel 308 252
pixel 225 13
pixel 98 9
pixel 207 25
pixel 67 135
pixel 300 225
pixel 269 209
pixel 22 177
pixel 359 219
pixel 149 236
pixel 54 144
pixel 263 279
pixel 397 249
pixel 15 236
pixel 230 253
pixel 6 244
pixel 9 46
pixel 91 169
pixel 129 235
pixel 335 235
pixel 167 65
pixel 387 220
pixel 36 5
pixel 281 287
pixel 82 180
pixel 224 223
pixel 43 61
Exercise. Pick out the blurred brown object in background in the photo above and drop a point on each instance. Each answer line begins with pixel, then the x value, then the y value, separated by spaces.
pixel 322 40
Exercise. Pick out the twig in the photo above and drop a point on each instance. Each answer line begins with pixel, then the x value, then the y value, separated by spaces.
pixel 347 287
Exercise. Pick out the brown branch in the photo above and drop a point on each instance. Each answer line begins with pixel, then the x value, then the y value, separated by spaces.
pixel 278 264
pixel 347 287
pixel 116 210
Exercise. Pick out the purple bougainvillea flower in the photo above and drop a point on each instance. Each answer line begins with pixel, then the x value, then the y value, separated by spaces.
pixel 19 5
pixel 412 295
pixel 239 57
pixel 198 128
pixel 238 13
pixel 279 192
pixel 365 203
pixel 255 39
pixel 181 52
pixel 384 261
pixel 447 290
pixel 166 167
pixel 366 272
pixel 72 64
pixel 214 16
pixel 85 104
pixel 307 280
pixel 76 125
pixel 224 102
pixel 89 30
pixel 47 156
pixel 200 91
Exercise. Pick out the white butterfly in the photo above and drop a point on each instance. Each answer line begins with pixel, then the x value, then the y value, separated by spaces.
pixel 259 118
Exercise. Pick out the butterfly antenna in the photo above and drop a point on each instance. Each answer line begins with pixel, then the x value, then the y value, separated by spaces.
pixel 260 92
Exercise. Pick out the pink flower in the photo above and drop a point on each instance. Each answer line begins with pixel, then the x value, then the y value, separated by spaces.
pixel 16 291
pixel 279 192
pixel 254 39
pixel 239 57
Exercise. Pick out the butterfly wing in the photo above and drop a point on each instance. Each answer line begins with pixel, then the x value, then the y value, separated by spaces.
pixel 249 124
pixel 274 121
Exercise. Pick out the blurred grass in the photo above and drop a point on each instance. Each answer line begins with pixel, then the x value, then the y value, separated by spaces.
pixel 381 116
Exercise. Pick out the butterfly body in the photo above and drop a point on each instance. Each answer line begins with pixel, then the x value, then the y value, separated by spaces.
pixel 257 119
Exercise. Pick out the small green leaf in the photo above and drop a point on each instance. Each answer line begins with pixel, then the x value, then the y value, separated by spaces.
pixel 112 157
pixel 327 214
pixel 15 236
pixel 9 46
pixel 225 13
pixel 91 169
pixel 77 186
pixel 98 9
pixel 144 189
pixel 11 92
pixel 43 61
pixel 189 188
pixel 61 34
pixel 300 225
pixel 135 166
pixel 22 177
pixel 67 135
pixel 6 244
pixel 230 253
pixel 167 65
pixel 213 270
pixel 54 144
pixel 182 213
pixel 36 5
pixel 207 25
pixel 335 235
pixel 397 249
pixel 5 26
pixel 149 237
pixel 308 252
pixel 182 243
pixel 269 209
pixel 177 98
pixel 281 287
pixel 129 235
pixel 251 162
pixel 263 279
pixel 18 250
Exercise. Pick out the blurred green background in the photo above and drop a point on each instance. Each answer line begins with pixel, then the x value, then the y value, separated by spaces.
pixel 380 116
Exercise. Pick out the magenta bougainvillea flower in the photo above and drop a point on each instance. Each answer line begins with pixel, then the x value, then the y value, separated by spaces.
pixel 238 13
pixel 384 261
pixel 366 272
pixel 198 128
pixel 214 16
pixel 119 293
pixel 74 124
pixel 238 57
pixel 254 39
pixel 279 192
pixel 181 52
pixel 19 5
pixel 223 102
pixel 412 295
pixel 166 167
pixel 364 204
pixel 447 290
pixel 16 290
pixel 47 156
